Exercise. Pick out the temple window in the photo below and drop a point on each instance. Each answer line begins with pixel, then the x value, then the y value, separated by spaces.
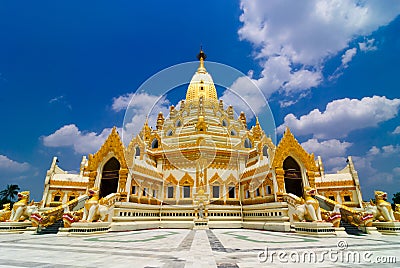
pixel 71 197
pixel 265 151
pixel 145 191
pixel 331 197
pixel 247 194
pixel 247 143
pixel 178 123
pixel 154 144
pixel 186 191
pixel 154 193
pixel 170 192
pixel 57 197
pixel 231 192
pixel 258 192
pixel 133 189
pixel 215 191
pixel 268 189
pixel 233 132
pixel 169 132
pixel 224 123
pixel 347 198
pixel 137 151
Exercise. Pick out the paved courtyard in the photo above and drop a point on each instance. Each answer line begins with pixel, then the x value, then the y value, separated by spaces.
pixel 197 248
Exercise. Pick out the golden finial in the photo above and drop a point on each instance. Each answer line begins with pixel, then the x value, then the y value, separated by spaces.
pixel 201 57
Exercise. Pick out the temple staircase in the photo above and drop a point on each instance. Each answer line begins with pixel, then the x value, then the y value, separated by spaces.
pixel 46 219
pixel 351 229
pixel 353 221
pixel 51 229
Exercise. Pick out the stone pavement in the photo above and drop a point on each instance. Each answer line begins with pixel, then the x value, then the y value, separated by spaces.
pixel 197 248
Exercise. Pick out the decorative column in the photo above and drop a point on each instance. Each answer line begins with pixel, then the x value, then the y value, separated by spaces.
pixel 123 175
pixel 311 178
pixel 280 180
pixel 92 179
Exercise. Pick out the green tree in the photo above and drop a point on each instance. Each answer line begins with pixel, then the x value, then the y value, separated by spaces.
pixel 9 194
pixel 396 198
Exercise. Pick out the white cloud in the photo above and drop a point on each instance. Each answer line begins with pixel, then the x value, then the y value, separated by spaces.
pixel 379 167
pixel 396 130
pixel 333 152
pixel 390 149
pixel 302 79
pixel 326 149
pixel 60 99
pixel 141 106
pixel 368 45
pixel 374 151
pixel 385 151
pixel 56 99
pixel 81 141
pixel 343 116
pixel 301 35
pixel 347 56
pixel 9 165
pixel 141 102
pixel 244 95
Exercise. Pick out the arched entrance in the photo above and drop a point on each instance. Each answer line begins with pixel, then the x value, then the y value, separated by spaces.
pixel 109 177
pixel 293 179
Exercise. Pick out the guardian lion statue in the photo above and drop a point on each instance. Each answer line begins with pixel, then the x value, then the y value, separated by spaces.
pixel 384 211
pixel 5 213
pixel 397 212
pixel 309 210
pixel 94 210
pixel 21 210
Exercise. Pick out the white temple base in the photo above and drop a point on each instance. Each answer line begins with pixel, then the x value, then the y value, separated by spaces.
pixel 14 227
pixel 85 228
pixel 388 228
pixel 269 226
pixel 200 224
pixel 315 228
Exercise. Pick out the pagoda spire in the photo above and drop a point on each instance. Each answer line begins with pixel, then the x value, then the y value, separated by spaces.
pixel 201 57
pixel 201 85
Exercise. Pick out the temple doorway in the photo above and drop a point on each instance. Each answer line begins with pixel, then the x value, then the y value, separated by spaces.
pixel 293 179
pixel 109 177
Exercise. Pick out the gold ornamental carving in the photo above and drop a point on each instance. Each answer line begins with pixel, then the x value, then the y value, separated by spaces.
pixel 290 146
pixel 186 180
pixel 334 183
pixel 112 144
pixel 68 183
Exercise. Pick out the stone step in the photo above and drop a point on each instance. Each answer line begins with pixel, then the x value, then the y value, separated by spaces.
pixel 52 229
pixel 351 229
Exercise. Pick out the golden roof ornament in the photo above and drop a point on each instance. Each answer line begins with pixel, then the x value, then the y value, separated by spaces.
pixel 257 131
pixel 160 120
pixel 201 57
pixel 146 130
pixel 242 118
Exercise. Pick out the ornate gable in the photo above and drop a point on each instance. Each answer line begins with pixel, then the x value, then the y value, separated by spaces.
pixel 231 180
pixel 186 179
pixel 171 179
pixel 289 146
pixel 216 178
pixel 113 144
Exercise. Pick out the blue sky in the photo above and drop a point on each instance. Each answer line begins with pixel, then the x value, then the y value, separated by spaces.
pixel 328 68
